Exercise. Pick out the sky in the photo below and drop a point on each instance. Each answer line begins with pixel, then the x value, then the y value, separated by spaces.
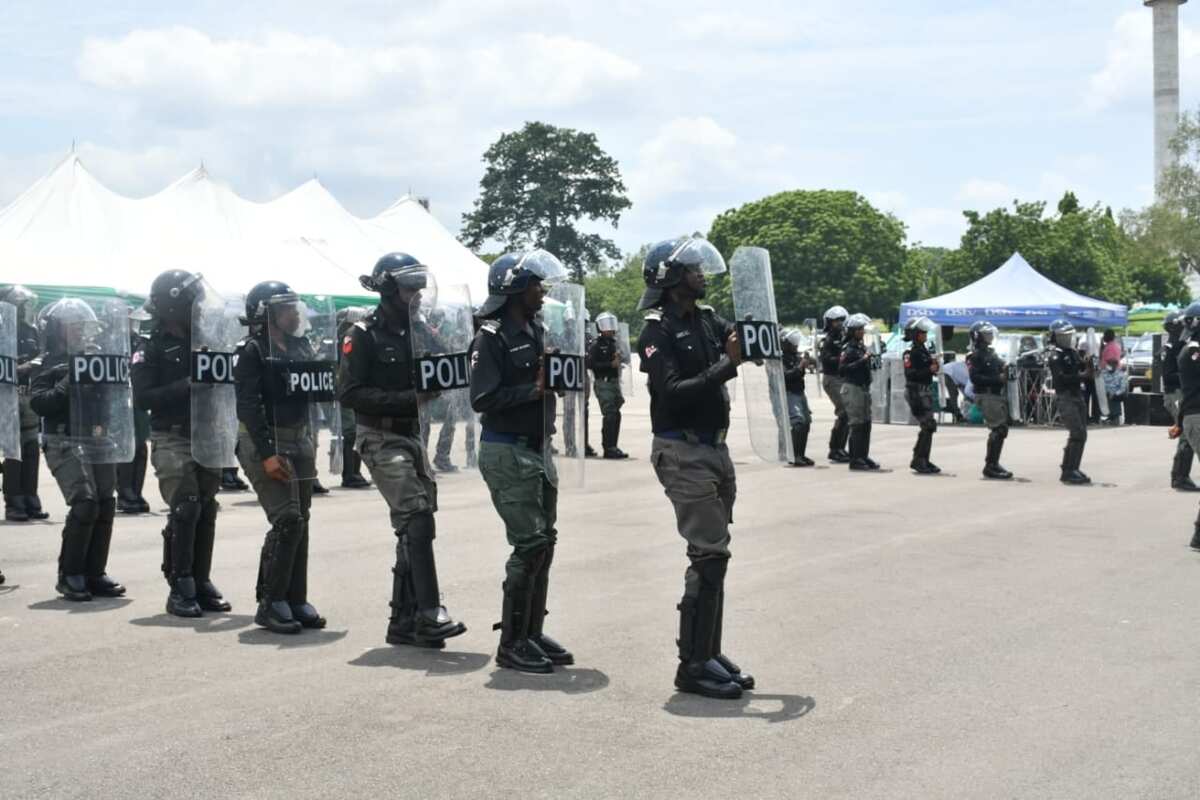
pixel 926 107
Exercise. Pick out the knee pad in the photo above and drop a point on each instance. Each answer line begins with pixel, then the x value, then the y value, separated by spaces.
pixel 85 512
pixel 929 425
pixel 186 510
pixel 421 528
pixel 209 509
pixel 711 571
pixel 289 527
pixel 1001 432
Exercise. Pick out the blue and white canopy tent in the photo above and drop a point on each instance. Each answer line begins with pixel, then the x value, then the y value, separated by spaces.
pixel 1016 296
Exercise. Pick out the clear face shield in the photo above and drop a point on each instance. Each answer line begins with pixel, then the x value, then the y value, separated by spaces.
pixel 288 314
pixel 25 300
pixel 1065 339
pixel 987 335
pixel 698 255
pixel 607 323
pixel 543 265
pixel 68 326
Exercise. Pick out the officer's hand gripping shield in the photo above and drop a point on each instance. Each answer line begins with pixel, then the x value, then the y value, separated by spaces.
pixel 563 316
pixel 101 396
pixel 302 337
pixel 216 331
pixel 441 335
pixel 758 335
pixel 10 414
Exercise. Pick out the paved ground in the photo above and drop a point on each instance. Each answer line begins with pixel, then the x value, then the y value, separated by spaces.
pixel 912 638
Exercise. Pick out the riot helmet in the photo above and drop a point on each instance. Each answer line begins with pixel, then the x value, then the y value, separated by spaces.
pixel 606 322
pixel 1173 324
pixel 857 325
pixel 1062 333
pixel 791 339
pixel 834 316
pixel 396 271
pixel 918 325
pixel 171 297
pixel 511 274
pixel 274 302
pixel 1191 317
pixel 24 298
pixel 668 260
pixel 67 326
pixel 983 334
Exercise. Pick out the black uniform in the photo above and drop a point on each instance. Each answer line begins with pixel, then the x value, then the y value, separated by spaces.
pixel 1181 466
pixel 161 375
pixel 1068 371
pixel 830 354
pixel 989 377
pixel 919 366
pixel 376 383
pixel 21 475
pixel 855 369
pixel 684 357
pixel 275 422
pixel 131 476
pixel 795 365
pixel 607 381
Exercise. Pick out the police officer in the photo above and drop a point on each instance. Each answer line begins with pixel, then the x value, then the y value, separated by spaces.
pixel 830 354
pixel 1187 418
pixel 87 488
pixel 508 388
pixel 131 476
pixel 21 501
pixel 377 383
pixel 689 354
pixel 161 376
pixel 855 369
pixel 1069 370
pixel 1181 466
pixel 352 477
pixel 989 376
pixel 604 358
pixel 920 368
pixel 277 451
pixel 795 364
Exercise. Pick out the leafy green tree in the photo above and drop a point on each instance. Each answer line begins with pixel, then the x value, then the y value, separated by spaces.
pixel 618 290
pixel 539 183
pixel 827 248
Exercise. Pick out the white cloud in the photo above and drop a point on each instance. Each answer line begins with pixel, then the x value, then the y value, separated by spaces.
pixel 1128 69
pixel 987 193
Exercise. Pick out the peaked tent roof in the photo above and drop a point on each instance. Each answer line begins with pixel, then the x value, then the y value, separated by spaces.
pixel 1015 296
pixel 68 229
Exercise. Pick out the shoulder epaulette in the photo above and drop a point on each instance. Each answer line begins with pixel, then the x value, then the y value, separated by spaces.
pixel 361 325
pixel 703 307
pixel 490 325
pixel 1192 345
pixel 653 315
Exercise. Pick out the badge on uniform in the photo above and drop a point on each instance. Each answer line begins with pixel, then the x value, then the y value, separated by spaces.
pixel 347 346
pixel 651 350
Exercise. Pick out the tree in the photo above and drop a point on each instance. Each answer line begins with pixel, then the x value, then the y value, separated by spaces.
pixel 539 182
pixel 619 290
pixel 827 248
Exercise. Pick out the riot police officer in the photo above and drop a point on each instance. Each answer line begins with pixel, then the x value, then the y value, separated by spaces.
pixel 131 476
pixel 1181 466
pixel 1069 369
pixel 277 451
pixel 88 481
pixel 604 358
pixel 830 354
pixel 920 368
pixel 508 388
pixel 1187 419
pixel 21 501
pixel 377 383
pixel 689 353
pixel 989 376
pixel 161 374
pixel 352 477
pixel 855 367
pixel 795 364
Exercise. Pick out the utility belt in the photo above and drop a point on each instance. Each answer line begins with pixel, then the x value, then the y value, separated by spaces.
pixel 283 433
pixel 402 426
pixel 497 437
pixel 710 438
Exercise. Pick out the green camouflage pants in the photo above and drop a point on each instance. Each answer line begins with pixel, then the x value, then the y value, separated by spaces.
pixel 399 466
pixel 523 496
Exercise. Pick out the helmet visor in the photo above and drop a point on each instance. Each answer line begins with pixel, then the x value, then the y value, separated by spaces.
pixel 988 333
pixel 699 255
pixel 543 265
pixel 606 323
pixel 288 313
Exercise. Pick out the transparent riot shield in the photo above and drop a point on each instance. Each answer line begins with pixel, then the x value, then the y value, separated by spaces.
pixel 1094 346
pixel 762 352
pixel 892 374
pixel 101 396
pixel 626 359
pixel 301 337
pixel 216 331
pixel 563 320
pixel 1013 356
pixel 442 331
pixel 10 414
pixel 880 378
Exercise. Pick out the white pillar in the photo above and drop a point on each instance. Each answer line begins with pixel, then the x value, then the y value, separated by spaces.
pixel 1166 80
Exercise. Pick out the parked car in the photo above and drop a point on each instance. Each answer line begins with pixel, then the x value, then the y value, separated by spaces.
pixel 1139 360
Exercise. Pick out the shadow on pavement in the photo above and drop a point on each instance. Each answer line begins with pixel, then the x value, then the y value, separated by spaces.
pixel 432 662
pixel 9 588
pixel 287 641
pixel 209 623
pixel 567 680
pixel 96 604
pixel 751 705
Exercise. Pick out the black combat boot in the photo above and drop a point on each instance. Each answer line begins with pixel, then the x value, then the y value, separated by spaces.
pixel 14 492
pixel 404 604
pixel 352 477
pixel 279 554
pixel 431 621
pixel 1195 543
pixel 611 435
pixel 515 650
pixel 837 441
pixel 800 446
pixel 858 462
pixel 699 672
pixel 181 602
pixel 98 580
pixel 72 557
pixel 30 461
pixel 991 467
pixel 231 481
pixel 297 592
pixel 866 447
pixel 1181 468
pixel 743 679
pixel 208 596
pixel 558 655
pixel 1072 454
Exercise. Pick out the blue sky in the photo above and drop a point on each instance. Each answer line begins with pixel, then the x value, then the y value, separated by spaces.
pixel 925 107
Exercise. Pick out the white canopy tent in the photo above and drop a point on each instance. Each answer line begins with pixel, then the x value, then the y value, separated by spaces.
pixel 68 229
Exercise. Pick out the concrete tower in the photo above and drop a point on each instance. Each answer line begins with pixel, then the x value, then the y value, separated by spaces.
pixel 1166 79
